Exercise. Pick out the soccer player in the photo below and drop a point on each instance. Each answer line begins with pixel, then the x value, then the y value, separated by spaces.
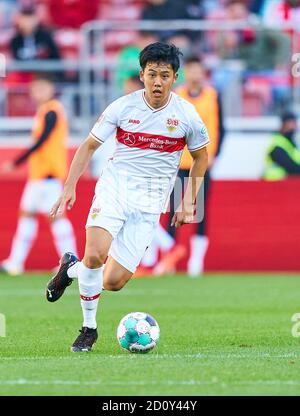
pixel 47 159
pixel 152 126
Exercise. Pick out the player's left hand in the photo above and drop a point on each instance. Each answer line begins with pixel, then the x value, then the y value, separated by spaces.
pixel 185 216
pixel 66 200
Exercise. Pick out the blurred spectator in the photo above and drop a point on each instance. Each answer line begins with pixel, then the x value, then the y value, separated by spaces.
pixel 73 13
pixel 283 156
pixel 47 169
pixel 258 47
pixel 263 54
pixel 171 10
pixel 133 84
pixel 31 40
pixel 284 12
pixel 129 56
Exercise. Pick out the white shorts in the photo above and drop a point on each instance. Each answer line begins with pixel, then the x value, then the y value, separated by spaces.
pixel 40 195
pixel 132 230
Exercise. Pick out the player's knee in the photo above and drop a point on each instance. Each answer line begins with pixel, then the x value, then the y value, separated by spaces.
pixel 94 260
pixel 114 286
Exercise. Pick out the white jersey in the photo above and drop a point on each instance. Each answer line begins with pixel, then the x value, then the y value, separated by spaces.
pixel 149 145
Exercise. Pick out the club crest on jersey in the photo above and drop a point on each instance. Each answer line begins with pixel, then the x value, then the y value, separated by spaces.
pixel 172 123
pixel 95 212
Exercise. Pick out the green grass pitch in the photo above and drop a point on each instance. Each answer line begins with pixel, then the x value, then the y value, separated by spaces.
pixel 220 335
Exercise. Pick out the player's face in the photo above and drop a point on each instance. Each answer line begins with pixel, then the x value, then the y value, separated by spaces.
pixel 41 91
pixel 290 127
pixel 158 79
pixel 195 74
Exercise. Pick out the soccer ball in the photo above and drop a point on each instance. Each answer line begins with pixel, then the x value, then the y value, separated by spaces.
pixel 138 332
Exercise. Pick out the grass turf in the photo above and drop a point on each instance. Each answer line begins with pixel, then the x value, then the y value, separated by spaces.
pixel 220 335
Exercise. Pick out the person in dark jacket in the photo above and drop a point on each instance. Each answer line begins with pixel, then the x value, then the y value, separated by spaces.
pixel 32 41
pixel 173 10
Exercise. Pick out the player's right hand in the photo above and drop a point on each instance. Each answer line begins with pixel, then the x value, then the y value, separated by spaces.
pixel 67 199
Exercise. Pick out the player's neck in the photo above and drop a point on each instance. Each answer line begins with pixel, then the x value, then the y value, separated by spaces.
pixel 45 101
pixel 156 103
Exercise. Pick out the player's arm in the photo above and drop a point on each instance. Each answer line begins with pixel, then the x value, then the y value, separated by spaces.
pixel 79 163
pixel 283 159
pixel 104 127
pixel 50 122
pixel 185 213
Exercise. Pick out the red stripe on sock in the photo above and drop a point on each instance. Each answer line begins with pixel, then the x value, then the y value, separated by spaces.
pixel 90 297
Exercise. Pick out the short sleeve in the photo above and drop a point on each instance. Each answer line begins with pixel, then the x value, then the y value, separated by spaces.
pixel 107 123
pixel 197 136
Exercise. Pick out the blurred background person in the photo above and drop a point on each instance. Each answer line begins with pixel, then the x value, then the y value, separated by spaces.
pixel 173 10
pixel 128 57
pixel 283 156
pixel 31 40
pixel 199 92
pixel 47 159
pixel 263 52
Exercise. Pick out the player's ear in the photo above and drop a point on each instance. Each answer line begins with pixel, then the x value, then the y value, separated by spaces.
pixel 176 77
pixel 142 75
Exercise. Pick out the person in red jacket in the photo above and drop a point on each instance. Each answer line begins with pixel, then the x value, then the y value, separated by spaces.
pixel 72 13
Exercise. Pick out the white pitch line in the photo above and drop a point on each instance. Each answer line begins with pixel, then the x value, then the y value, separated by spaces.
pixel 105 383
pixel 155 356
pixel 74 292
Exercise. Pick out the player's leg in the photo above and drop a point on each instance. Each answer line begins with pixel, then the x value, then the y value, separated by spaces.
pixel 90 281
pixel 115 275
pixel 63 235
pixel 199 241
pixel 26 232
pixel 172 252
pixel 128 248
pixel 61 227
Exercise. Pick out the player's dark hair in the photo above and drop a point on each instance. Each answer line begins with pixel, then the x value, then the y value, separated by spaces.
pixel 193 59
pixel 44 76
pixel 159 52
pixel 27 11
pixel 287 115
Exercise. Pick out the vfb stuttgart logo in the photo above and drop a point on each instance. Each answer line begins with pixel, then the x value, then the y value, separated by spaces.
pixel 129 139
pixel 172 123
